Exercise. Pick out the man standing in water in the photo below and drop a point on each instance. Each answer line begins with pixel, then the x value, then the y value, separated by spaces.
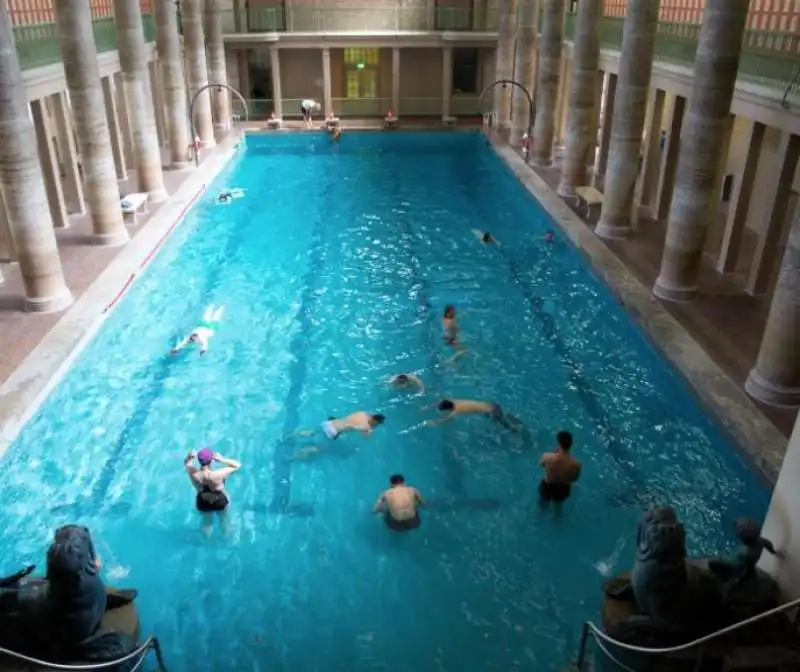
pixel 561 470
pixel 210 484
pixel 400 505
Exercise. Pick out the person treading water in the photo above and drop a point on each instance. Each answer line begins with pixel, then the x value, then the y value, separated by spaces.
pixel 210 483
pixel 456 407
pixel 485 236
pixel 561 471
pixel 332 428
pixel 407 380
pixel 400 505
pixel 204 332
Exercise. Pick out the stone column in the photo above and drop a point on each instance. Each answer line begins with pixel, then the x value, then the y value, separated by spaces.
pixel 739 206
pixel 124 123
pixel 633 85
pixel 607 115
pixel 23 188
pixel 79 54
pixel 396 80
pixel 651 156
pixel 504 62
pixel 694 201
pixel 73 183
pixel 158 102
pixel 776 377
pixel 277 95
pixel 194 47
pixel 548 78
pixel 7 252
pixel 777 197
pixel 243 66
pixel 583 101
pixel 174 84
pixel 217 68
pixel 524 68
pixel 326 81
pixel 447 80
pixel 136 87
pixel 669 163
pixel 49 164
pixel 112 117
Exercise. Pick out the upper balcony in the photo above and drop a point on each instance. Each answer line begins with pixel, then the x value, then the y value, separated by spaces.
pixel 37 40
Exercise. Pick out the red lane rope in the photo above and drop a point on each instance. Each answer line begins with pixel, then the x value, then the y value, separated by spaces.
pixel 155 249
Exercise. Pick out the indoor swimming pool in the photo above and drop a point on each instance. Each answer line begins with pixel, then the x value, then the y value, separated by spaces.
pixel 334 268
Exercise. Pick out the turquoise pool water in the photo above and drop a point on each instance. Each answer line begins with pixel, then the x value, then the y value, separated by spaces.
pixel 334 269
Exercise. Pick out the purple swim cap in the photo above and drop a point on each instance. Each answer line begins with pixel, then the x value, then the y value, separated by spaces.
pixel 205 456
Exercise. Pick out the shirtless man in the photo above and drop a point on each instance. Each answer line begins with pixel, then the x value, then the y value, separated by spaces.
pixel 561 470
pixel 400 505
pixel 456 407
pixel 407 380
pixel 360 421
pixel 204 332
pixel 450 327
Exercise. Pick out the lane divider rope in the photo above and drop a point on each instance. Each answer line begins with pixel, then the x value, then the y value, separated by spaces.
pixel 152 252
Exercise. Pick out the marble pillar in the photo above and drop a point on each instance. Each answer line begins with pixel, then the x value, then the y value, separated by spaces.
pixel 114 128
pixel 524 68
pixel 583 101
pixel 775 379
pixel 447 80
pixel 277 92
pixel 217 68
pixel 82 70
pixel 669 161
pixel 651 156
pixel 173 82
pixel 154 78
pixel 138 103
pixel 122 118
pixel 606 117
pixel 396 80
pixel 7 253
pixel 23 190
pixel 504 62
pixel 694 201
pixel 73 182
pixel 547 84
pixel 243 66
pixel 194 47
pixel 49 163
pixel 627 126
pixel 327 95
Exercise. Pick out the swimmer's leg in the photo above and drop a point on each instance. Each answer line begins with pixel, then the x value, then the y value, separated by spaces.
pixel 216 316
pixel 511 422
pixel 302 432
pixel 305 453
pixel 208 315
pixel 207 523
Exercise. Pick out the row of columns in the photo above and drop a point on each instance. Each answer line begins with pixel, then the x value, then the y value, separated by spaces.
pixel 90 135
pixel 678 182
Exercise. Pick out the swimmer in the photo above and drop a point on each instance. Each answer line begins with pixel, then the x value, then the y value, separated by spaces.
pixel 203 333
pixel 400 505
pixel 548 237
pixel 406 380
pixel 336 133
pixel 308 107
pixel 456 407
pixel 484 236
pixel 224 197
pixel 450 327
pixel 561 470
pixel 332 428
pixel 210 484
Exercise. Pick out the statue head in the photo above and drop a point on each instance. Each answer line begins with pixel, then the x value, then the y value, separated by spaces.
pixel 70 558
pixel 660 537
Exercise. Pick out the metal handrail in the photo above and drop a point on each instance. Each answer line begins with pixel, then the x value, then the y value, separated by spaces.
pixel 195 147
pixel 150 643
pixel 792 87
pixel 591 628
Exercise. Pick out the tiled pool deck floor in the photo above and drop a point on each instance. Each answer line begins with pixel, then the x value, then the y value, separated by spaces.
pixel 722 311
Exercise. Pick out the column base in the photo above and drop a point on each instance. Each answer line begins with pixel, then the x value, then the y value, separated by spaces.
pixel 49 304
pixel 180 165
pixel 769 393
pixel 110 239
pixel 566 190
pixel 541 162
pixel 208 143
pixel 676 294
pixel 157 196
pixel 611 232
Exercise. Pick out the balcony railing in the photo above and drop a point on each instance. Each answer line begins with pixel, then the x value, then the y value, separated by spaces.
pixel 305 18
pixel 366 108
pixel 769 58
pixel 37 43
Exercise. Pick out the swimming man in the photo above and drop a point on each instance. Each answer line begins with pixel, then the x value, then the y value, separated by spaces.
pixel 484 236
pixel 456 407
pixel 204 332
pixel 210 483
pixel 307 107
pixel 561 470
pixel 400 505
pixel 332 428
pixel 407 380
pixel 450 327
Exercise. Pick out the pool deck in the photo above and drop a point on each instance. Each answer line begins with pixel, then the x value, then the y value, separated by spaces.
pixel 35 350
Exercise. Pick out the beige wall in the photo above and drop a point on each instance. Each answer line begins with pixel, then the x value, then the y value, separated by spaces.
pixel 420 73
pixel 301 74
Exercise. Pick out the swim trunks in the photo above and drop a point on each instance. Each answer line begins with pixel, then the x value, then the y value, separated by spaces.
pixel 402 525
pixel 210 501
pixel 497 413
pixel 554 492
pixel 330 429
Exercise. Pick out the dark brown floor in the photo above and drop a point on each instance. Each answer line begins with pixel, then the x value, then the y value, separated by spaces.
pixel 724 320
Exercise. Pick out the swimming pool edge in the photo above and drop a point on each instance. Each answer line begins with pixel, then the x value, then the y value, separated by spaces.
pixel 758 440
pixel 26 389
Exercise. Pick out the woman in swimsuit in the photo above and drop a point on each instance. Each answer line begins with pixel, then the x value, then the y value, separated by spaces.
pixel 210 484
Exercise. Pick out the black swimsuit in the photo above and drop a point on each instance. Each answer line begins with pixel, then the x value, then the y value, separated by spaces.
pixel 210 501
pixel 554 492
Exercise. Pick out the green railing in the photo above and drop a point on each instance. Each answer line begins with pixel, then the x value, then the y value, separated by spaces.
pixel 768 58
pixel 366 108
pixel 302 17
pixel 37 44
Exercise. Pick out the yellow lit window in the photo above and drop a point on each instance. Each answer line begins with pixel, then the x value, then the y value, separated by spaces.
pixel 362 57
